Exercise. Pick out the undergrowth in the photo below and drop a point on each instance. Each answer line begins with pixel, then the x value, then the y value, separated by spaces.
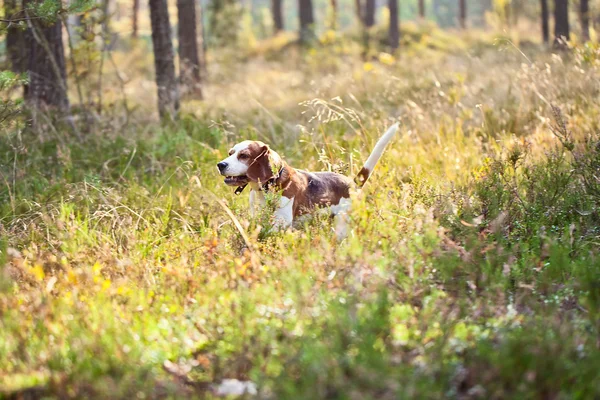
pixel 471 271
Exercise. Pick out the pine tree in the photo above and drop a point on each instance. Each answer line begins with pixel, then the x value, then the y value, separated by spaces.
pixel 168 91
pixel 545 24
pixel 134 18
pixel 277 11
pixel 189 62
pixel 394 33
pixel 369 13
pixel 307 19
pixel 46 62
pixel 561 22
pixel 584 10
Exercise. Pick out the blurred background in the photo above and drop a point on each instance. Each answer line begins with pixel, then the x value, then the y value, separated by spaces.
pixel 88 56
pixel 128 269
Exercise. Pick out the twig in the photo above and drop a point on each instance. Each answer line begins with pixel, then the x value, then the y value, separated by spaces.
pixel 128 163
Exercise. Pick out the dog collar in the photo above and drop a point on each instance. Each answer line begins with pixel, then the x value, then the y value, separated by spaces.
pixel 271 182
pixel 265 187
pixel 240 189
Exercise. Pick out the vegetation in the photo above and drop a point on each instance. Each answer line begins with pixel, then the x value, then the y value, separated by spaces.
pixel 128 269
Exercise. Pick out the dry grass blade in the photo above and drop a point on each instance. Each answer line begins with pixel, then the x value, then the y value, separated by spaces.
pixel 254 256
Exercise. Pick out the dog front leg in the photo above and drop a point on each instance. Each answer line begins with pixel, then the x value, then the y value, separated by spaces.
pixel 284 214
pixel 341 218
pixel 257 199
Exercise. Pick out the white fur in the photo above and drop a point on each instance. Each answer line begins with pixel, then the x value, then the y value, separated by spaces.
pixel 341 216
pixel 234 166
pixel 340 212
pixel 257 198
pixel 284 214
pixel 252 203
pixel 380 147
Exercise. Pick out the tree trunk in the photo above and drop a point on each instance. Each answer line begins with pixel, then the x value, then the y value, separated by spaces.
pixel 334 14
pixel 201 37
pixel 394 34
pixel 517 9
pixel 422 9
pixel 306 20
pixel 189 62
pixel 134 18
pixel 277 11
pixel 561 22
pixel 46 64
pixel 462 9
pixel 15 38
pixel 168 93
pixel 584 9
pixel 545 24
pixel 369 13
pixel 359 11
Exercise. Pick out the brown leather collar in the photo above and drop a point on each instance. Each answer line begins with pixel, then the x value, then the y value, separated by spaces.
pixel 270 183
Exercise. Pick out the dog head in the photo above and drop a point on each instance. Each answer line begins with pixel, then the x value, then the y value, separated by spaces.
pixel 249 161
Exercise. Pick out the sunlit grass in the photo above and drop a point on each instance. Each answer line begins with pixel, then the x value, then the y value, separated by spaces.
pixel 471 269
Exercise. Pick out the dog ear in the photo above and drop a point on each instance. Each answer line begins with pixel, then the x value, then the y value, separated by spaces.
pixel 261 169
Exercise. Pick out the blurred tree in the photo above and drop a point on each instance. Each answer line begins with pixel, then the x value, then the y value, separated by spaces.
pixel 277 11
pixel 46 59
pixel 394 34
pixel 334 14
pixel 422 9
pixel 369 13
pixel 359 11
pixel 168 92
pixel 584 10
pixel 517 8
pixel 134 18
pixel 201 37
pixel 224 22
pixel 361 14
pixel 462 9
pixel 545 24
pixel 189 62
pixel 15 37
pixel 307 19
pixel 445 12
pixel 561 22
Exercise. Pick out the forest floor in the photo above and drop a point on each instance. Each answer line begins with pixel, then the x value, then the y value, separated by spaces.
pixel 471 271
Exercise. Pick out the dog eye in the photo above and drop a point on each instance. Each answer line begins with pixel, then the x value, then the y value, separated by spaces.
pixel 243 156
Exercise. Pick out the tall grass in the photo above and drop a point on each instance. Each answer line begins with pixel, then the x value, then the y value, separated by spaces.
pixel 471 271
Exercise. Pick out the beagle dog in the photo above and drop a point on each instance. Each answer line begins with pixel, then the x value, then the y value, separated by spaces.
pixel 254 163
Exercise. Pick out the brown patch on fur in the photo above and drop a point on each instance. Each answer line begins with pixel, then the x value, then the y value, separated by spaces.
pixel 263 162
pixel 362 177
pixel 312 189
pixel 245 155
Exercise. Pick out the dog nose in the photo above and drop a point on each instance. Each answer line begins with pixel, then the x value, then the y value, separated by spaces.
pixel 222 165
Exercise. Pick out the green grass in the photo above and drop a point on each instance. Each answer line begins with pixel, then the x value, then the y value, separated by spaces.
pixel 472 269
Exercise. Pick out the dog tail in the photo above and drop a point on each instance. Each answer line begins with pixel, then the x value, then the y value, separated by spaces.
pixel 376 154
